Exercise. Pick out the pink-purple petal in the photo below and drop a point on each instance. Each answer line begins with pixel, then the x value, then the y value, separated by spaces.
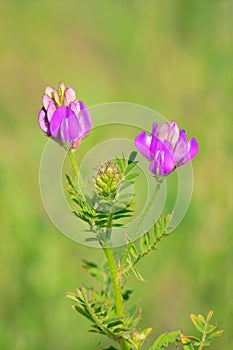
pixel 69 95
pixel 43 122
pixel 75 107
pixel 155 129
pixel 163 163
pixel 154 144
pixel 49 90
pixel 173 133
pixel 164 131
pixel 84 119
pixel 181 147
pixel 65 125
pixel 73 126
pixel 69 128
pixel 192 148
pixel 166 159
pixel 168 163
pixel 142 143
pixel 51 110
pixel 56 97
pixel 154 169
pixel 56 121
pixel 46 101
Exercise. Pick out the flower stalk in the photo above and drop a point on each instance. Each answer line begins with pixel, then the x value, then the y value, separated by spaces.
pixel 73 163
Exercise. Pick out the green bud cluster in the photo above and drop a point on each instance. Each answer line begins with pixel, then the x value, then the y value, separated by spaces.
pixel 108 179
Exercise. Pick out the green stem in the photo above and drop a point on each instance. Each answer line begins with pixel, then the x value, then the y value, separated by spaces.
pixel 73 163
pixel 116 283
pixel 116 288
pixel 115 280
pixel 151 201
pixel 109 223
pixel 203 338
pixel 124 345
pixel 113 271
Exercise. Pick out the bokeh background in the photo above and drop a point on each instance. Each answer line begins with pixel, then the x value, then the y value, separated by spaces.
pixel 174 56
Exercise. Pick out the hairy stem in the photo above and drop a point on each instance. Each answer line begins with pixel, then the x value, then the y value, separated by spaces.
pixel 116 283
pixel 116 288
pixel 115 280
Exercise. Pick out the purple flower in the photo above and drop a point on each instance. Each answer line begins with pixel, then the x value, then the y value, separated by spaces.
pixel 166 148
pixel 63 117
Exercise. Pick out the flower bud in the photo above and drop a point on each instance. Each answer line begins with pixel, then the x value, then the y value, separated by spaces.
pixel 107 180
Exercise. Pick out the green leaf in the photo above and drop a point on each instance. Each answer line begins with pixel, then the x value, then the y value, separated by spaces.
pixel 121 162
pixel 121 216
pixel 165 339
pixel 132 157
pixel 120 330
pixel 199 325
pixel 83 312
pixel 212 336
pixel 70 182
pixel 125 185
pixel 133 251
pixel 130 167
pixel 91 239
pixel 133 311
pixel 131 176
pixel 195 341
pixel 71 296
pixel 137 274
pixel 186 342
pixel 145 242
pixel 144 334
pixel 211 328
pixel 114 324
pixel 126 294
pixel 89 264
pixel 201 318
pixel 209 316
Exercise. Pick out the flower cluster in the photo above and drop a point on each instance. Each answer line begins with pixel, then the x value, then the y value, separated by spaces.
pixel 166 148
pixel 63 117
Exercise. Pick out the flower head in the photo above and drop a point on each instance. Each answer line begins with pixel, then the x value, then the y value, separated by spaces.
pixel 63 117
pixel 166 148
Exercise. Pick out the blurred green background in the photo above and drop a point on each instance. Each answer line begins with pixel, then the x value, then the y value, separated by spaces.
pixel 174 56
